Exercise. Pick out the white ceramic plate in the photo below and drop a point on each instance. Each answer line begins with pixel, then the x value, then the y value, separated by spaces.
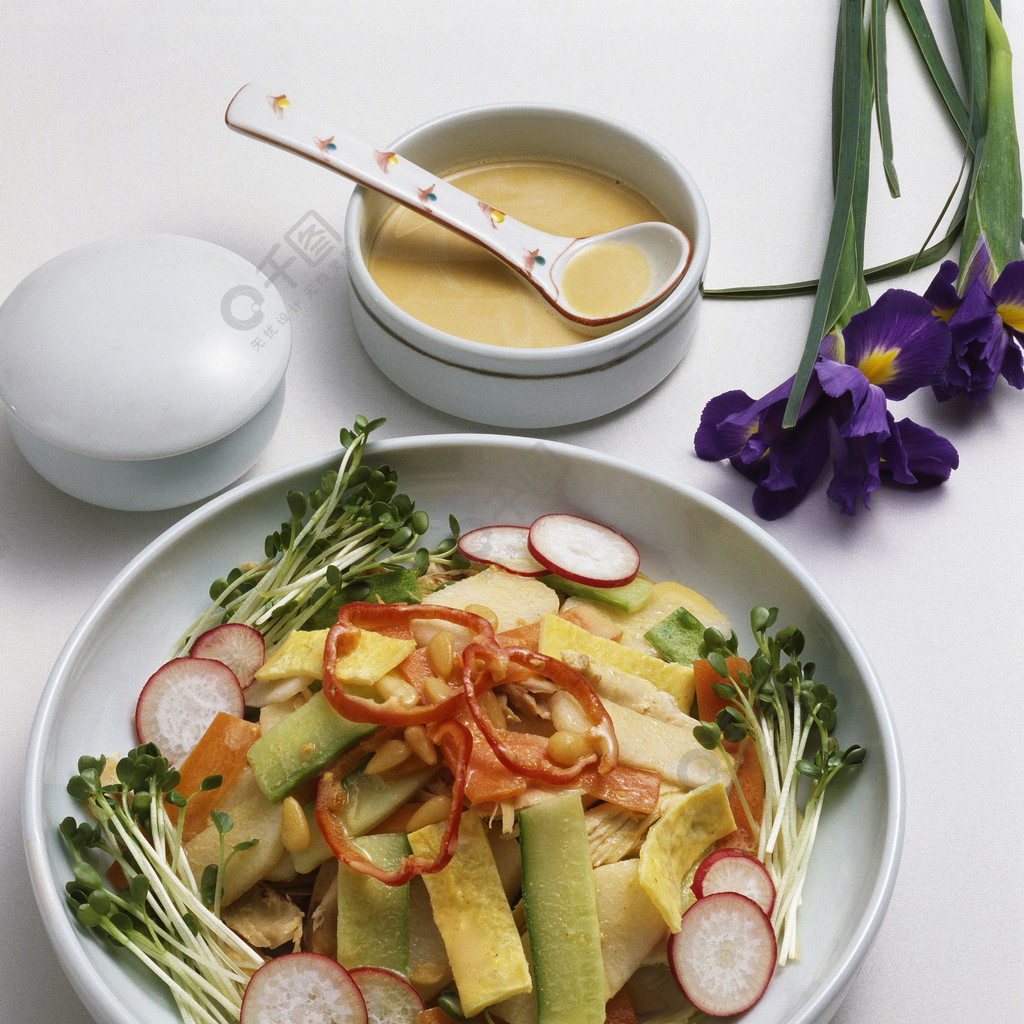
pixel 87 704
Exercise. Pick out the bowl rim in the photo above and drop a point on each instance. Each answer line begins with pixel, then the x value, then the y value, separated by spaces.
pixel 463 352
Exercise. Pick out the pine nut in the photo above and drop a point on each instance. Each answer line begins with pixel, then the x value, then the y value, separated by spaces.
pixel 294 826
pixel 441 653
pixel 484 612
pixel 429 974
pixel 492 708
pixel 416 738
pixel 394 687
pixel 566 748
pixel 434 810
pixel 566 713
pixel 437 690
pixel 388 755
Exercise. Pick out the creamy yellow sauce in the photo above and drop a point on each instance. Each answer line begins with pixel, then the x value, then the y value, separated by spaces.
pixel 606 278
pixel 449 283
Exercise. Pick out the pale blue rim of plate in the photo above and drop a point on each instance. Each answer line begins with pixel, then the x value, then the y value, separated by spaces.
pixel 67 940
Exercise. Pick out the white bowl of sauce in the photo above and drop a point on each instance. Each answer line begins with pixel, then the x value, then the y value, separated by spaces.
pixel 452 326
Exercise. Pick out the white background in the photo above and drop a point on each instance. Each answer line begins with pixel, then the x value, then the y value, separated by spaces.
pixel 112 122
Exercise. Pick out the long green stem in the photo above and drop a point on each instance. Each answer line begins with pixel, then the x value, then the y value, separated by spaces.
pixel 848 116
pixel 154 962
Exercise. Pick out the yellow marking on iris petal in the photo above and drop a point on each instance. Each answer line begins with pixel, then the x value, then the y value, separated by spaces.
pixel 879 365
pixel 1011 315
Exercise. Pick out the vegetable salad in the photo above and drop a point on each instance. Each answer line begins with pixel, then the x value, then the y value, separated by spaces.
pixel 523 791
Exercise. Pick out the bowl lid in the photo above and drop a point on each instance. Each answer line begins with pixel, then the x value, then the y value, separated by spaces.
pixel 141 347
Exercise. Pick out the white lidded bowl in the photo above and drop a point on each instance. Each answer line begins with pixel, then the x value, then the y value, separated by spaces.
pixel 546 387
pixel 143 372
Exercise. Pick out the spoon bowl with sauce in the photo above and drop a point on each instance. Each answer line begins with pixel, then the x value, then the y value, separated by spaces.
pixel 592 280
pixel 616 275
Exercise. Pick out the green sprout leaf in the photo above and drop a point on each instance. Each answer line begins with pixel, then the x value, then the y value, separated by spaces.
pixel 708 735
pixel 209 884
pixel 222 822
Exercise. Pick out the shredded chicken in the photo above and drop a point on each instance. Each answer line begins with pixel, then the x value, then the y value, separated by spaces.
pixel 265 919
pixel 321 932
pixel 630 691
pixel 525 699
pixel 614 833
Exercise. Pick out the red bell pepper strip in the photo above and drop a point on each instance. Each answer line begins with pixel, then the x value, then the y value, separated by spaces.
pixel 331 796
pixel 387 618
pixel 486 666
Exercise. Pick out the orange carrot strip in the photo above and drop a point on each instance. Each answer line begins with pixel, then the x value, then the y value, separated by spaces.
pixel 487 779
pixel 636 789
pixel 435 1015
pixel 220 751
pixel 751 780
pixel 416 669
pixel 704 676
pixel 520 636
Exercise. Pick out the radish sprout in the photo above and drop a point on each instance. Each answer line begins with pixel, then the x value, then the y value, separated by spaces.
pixel 781 708
pixel 161 917
pixel 357 526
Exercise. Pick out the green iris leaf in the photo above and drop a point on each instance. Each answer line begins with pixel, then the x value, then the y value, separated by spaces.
pixel 841 283
pixel 994 210
pixel 880 82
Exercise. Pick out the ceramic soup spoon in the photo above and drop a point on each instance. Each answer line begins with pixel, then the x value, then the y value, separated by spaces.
pixel 597 280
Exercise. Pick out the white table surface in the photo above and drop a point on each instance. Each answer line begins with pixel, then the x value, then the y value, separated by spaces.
pixel 112 123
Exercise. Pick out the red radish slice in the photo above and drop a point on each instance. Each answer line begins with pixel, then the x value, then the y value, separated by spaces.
pixel 390 998
pixel 239 646
pixel 302 988
pixel 729 870
pixel 181 699
pixel 504 546
pixel 723 955
pixel 583 551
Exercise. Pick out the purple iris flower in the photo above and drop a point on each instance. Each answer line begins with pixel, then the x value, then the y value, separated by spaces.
pixel 986 324
pixel 884 353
